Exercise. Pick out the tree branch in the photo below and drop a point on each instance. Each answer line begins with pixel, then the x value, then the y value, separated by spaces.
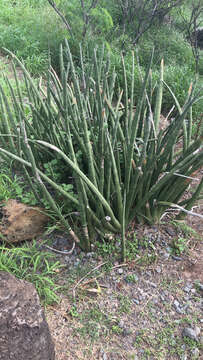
pixel 53 5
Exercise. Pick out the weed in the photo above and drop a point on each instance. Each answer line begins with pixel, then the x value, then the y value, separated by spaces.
pixel 125 304
pixel 116 330
pixel 179 246
pixel 34 265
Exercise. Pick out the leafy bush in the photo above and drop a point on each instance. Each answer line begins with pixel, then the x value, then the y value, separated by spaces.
pixel 122 166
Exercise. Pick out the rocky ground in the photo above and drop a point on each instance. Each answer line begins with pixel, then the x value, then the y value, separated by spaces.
pixel 148 308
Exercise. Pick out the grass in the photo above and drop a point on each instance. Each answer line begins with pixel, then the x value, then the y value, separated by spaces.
pixel 29 262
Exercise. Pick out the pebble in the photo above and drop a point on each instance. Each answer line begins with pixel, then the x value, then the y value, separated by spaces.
pixel 169 249
pixel 177 258
pixel 171 232
pixel 89 254
pixel 200 287
pixel 166 255
pixel 195 353
pixel 121 324
pixel 177 307
pixel 120 271
pixel 197 330
pixel 191 333
pixel 201 340
pixel 187 289
pixel 158 269
pixel 137 302
pixel 176 303
pixel 152 284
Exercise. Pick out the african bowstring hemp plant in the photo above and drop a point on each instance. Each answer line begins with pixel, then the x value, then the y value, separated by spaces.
pixel 121 171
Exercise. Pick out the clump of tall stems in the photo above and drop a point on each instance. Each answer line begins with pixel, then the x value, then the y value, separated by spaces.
pixel 123 167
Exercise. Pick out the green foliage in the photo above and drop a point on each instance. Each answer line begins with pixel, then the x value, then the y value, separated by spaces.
pixel 33 265
pixel 179 245
pixel 101 20
pixel 30 36
pixel 121 166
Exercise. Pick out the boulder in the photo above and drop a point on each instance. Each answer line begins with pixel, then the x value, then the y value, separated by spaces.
pixel 24 332
pixel 21 222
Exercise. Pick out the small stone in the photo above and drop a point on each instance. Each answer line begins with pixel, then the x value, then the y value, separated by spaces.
pixel 189 332
pixel 104 356
pixel 89 254
pixel 169 249
pixel 171 232
pixel 166 255
pixel 136 301
pixel 193 291
pixel 152 284
pixel 177 258
pixel 121 324
pixel 120 271
pixel 158 269
pixel 176 303
pixel 200 287
pixel 201 320
pixel 197 330
pixel 187 289
pixel 195 353
pixel 126 331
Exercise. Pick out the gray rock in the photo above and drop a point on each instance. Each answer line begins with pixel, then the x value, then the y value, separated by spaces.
pixel 24 332
pixel 189 332
pixel 120 271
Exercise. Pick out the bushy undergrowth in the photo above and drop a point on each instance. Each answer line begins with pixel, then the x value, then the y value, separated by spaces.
pixel 121 166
